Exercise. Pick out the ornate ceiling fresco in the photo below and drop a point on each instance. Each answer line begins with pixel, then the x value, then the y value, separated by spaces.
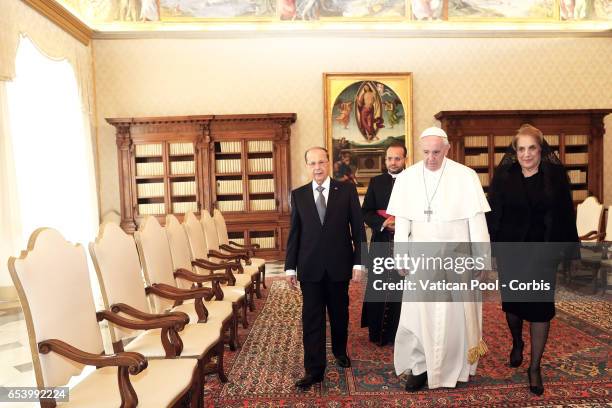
pixel 141 11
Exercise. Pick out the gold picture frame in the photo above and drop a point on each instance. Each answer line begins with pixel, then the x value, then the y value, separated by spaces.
pixel 364 113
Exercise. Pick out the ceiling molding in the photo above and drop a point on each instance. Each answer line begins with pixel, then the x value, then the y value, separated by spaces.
pixel 162 30
pixel 62 18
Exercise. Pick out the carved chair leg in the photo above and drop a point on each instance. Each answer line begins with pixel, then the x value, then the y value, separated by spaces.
pixel 263 276
pixel 258 285
pixel 219 350
pixel 197 389
pixel 245 322
pixel 251 296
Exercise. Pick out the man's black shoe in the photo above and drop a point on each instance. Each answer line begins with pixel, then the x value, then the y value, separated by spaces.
pixel 416 382
pixel 308 380
pixel 343 361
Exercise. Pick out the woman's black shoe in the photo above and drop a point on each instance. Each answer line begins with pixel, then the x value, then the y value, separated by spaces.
pixel 536 389
pixel 516 355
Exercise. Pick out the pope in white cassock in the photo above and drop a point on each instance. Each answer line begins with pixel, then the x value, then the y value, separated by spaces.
pixel 438 200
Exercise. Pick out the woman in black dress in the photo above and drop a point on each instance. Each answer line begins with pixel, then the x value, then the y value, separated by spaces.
pixel 530 201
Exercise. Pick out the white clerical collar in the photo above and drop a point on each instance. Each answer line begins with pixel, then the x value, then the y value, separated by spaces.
pixel 394 175
pixel 325 184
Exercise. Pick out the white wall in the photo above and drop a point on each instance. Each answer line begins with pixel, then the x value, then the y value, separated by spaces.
pixel 214 76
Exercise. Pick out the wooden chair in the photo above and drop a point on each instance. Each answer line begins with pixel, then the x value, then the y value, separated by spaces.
pixel 216 255
pixel 240 288
pixel 224 311
pixel 588 223
pixel 225 245
pixel 52 280
pixel 118 269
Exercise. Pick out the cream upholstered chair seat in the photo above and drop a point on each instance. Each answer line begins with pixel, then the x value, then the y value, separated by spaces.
pixel 218 311
pixel 197 340
pixel 52 280
pixel 157 386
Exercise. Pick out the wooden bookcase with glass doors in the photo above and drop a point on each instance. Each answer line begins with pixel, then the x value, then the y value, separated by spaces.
pixel 479 140
pixel 238 164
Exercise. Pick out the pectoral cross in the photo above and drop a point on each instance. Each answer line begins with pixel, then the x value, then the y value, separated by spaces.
pixel 428 212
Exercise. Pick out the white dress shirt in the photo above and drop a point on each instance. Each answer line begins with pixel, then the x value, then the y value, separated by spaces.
pixel 325 192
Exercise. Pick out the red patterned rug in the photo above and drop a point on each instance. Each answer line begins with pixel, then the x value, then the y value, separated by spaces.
pixel 576 364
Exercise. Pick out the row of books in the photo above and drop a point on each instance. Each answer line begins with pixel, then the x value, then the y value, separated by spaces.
pixel 574 140
pixel 475 141
pixel 150 169
pixel 184 188
pixel 230 205
pixel 148 150
pixel 481 159
pixel 151 209
pixel 182 167
pixel 264 242
pixel 503 141
pixel 261 186
pixel 577 176
pixel 229 187
pixel 228 166
pixel 177 149
pixel 484 179
pixel 552 140
pixel 579 195
pixel 230 147
pixel 263 205
pixel 147 190
pixel 260 165
pixel 183 207
pixel 257 146
pixel 576 158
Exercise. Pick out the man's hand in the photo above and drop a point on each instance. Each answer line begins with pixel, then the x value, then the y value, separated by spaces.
pixel 357 274
pixel 402 272
pixel 292 280
pixel 389 224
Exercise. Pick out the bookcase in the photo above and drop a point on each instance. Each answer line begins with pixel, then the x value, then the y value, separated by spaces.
pixel 238 164
pixel 479 140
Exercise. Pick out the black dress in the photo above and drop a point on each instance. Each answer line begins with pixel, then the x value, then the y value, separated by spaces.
pixel 526 214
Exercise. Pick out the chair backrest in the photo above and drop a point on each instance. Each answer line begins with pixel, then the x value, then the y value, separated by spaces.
pixel 588 216
pixel 52 280
pixel 221 227
pixel 115 259
pixel 210 231
pixel 197 240
pixel 155 258
pixel 179 247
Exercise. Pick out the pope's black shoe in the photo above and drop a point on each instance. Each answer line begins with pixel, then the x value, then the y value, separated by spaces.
pixel 308 380
pixel 416 382
pixel 343 361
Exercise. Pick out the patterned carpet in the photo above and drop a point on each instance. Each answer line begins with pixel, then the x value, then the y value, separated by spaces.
pixel 576 364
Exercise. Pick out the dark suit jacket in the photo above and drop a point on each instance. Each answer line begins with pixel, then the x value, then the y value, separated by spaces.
pixel 510 217
pixel 333 247
pixel 377 198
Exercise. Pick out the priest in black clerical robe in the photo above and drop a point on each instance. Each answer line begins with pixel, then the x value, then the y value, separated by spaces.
pixel 381 311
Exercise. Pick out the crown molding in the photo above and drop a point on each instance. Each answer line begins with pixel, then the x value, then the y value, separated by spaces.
pixel 63 19
pixel 162 30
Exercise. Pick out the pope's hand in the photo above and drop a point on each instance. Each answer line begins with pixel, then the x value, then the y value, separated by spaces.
pixel 357 275
pixel 402 272
pixel 389 224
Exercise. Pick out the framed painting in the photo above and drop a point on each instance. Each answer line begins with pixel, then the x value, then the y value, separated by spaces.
pixel 364 113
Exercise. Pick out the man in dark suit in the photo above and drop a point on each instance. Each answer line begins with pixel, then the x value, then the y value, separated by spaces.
pixel 381 315
pixel 324 247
